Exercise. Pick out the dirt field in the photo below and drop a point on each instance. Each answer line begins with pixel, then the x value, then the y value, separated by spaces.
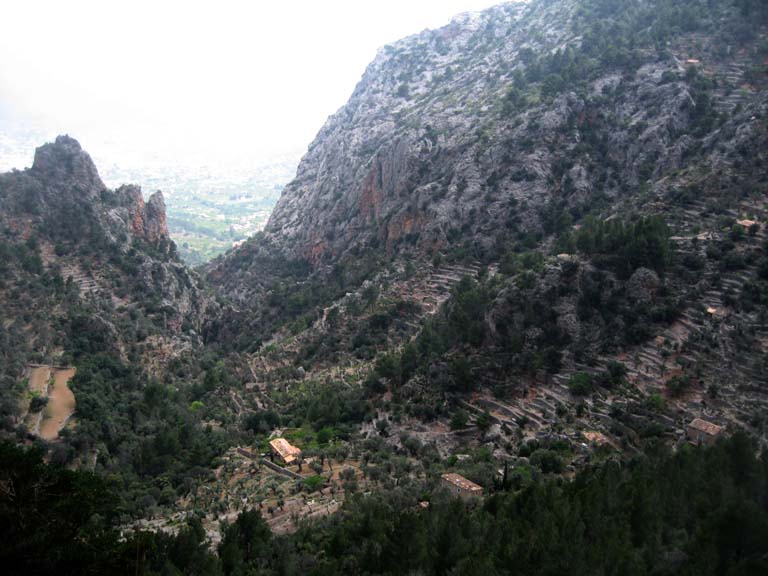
pixel 61 405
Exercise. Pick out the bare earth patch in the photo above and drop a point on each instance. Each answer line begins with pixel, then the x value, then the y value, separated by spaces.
pixel 61 405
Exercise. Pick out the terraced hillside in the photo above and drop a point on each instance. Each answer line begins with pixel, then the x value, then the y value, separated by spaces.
pixel 532 243
pixel 542 222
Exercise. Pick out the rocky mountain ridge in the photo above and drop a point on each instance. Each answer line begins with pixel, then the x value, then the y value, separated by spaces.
pixel 465 135
pixel 82 262
pixel 599 165
pixel 384 156
pixel 63 175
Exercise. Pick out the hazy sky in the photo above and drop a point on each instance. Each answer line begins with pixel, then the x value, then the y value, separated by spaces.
pixel 207 80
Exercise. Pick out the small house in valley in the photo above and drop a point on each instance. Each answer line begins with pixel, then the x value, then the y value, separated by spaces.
pixel 286 452
pixel 702 432
pixel 458 485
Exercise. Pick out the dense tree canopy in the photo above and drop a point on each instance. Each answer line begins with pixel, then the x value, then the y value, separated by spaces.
pixel 701 511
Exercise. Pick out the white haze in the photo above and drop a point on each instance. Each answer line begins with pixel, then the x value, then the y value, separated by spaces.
pixel 191 81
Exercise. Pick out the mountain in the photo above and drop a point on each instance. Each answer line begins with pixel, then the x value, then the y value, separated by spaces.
pixel 506 126
pixel 540 202
pixel 86 269
pixel 465 137
pixel 212 206
pixel 531 250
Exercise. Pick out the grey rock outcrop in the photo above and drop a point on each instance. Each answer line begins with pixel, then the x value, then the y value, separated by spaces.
pixel 451 140
pixel 64 161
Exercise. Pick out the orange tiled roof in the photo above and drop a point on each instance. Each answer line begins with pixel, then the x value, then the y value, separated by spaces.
pixel 285 449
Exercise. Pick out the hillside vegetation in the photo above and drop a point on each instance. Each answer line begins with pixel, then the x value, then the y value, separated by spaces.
pixel 701 511
pixel 531 250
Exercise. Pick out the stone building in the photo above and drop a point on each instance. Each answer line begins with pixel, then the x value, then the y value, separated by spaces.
pixel 457 485
pixel 702 432
pixel 286 452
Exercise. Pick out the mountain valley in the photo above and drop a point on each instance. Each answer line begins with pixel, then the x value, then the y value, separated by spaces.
pixel 530 250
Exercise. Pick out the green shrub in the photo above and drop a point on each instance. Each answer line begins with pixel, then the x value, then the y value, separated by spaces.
pixel 581 384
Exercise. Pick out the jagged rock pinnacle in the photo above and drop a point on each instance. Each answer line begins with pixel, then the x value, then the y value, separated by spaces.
pixel 156 223
pixel 148 220
pixel 65 161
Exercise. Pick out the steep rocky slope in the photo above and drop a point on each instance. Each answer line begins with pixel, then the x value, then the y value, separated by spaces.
pixel 470 134
pixel 507 126
pixel 597 168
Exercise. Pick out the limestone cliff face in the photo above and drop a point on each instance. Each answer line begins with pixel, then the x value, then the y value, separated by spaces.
pixel 476 133
pixel 147 220
pixel 406 161
pixel 156 224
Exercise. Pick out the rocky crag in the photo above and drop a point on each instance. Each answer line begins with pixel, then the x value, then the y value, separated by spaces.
pixel 471 133
pixel 84 264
